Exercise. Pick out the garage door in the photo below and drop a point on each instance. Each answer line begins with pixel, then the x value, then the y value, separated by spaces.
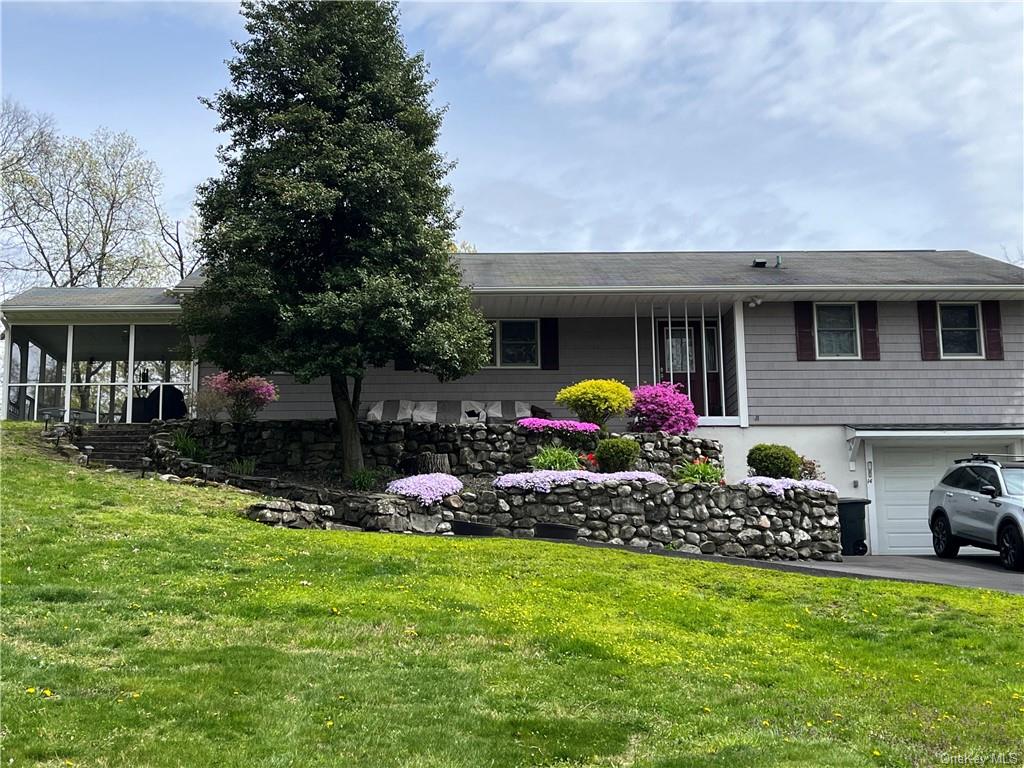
pixel 903 478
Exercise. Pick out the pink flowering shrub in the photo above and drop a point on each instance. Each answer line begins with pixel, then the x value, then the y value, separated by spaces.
pixel 544 480
pixel 559 425
pixel 663 408
pixel 246 395
pixel 777 486
pixel 427 489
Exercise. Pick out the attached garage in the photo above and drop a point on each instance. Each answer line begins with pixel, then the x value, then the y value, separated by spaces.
pixel 903 466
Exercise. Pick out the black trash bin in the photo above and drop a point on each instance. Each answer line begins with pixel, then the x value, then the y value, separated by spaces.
pixel 853 530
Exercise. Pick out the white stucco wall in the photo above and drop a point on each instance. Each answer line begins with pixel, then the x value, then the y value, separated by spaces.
pixel 827 445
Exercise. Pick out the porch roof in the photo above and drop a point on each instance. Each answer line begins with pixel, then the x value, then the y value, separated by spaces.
pixel 92 304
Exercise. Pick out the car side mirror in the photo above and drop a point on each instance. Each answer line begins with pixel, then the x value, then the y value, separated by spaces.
pixel 990 490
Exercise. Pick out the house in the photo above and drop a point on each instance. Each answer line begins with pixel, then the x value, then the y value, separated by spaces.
pixel 882 365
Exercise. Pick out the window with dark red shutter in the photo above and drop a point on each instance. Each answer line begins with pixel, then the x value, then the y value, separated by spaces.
pixel 993 324
pixel 803 316
pixel 867 312
pixel 928 325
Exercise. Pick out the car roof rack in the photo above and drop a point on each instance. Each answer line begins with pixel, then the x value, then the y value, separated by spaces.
pixel 991 458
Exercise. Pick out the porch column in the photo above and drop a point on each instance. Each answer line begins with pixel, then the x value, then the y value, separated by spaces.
pixel 5 366
pixel 668 342
pixel 654 349
pixel 740 350
pixel 704 357
pixel 721 359
pixel 636 342
pixel 67 373
pixel 23 378
pixel 131 373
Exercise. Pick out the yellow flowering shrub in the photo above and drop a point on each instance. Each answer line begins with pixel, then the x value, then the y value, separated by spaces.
pixel 596 400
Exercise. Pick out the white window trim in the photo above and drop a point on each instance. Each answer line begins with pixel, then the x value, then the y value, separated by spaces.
pixel 980 327
pixel 497 343
pixel 856 330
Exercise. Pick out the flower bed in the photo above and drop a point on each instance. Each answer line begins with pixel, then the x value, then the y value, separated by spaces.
pixel 544 480
pixel 427 489
pixel 567 426
pixel 777 486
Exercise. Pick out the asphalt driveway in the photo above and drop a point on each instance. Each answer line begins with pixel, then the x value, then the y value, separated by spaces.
pixel 968 570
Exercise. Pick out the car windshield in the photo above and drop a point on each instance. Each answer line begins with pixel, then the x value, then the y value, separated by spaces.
pixel 1014 478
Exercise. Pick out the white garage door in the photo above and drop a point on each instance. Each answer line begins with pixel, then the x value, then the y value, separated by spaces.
pixel 903 478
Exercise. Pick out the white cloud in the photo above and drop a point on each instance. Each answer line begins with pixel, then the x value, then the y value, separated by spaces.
pixel 896 78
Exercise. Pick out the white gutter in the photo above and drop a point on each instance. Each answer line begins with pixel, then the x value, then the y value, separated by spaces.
pixel 875 434
pixel 93 308
pixel 744 288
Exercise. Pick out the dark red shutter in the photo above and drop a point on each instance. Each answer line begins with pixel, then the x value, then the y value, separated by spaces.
pixel 867 314
pixel 549 343
pixel 803 315
pixel 928 323
pixel 992 322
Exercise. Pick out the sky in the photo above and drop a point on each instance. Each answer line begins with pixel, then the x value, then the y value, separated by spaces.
pixel 622 126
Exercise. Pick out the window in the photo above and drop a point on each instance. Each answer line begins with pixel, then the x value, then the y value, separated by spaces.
pixel 1014 479
pixel 986 476
pixel 515 344
pixel 835 327
pixel 962 479
pixel 959 330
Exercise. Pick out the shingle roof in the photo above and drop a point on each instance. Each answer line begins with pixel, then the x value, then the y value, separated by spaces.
pixel 670 269
pixel 733 269
pixel 81 298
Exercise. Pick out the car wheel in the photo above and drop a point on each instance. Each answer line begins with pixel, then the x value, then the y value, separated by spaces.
pixel 1011 548
pixel 943 541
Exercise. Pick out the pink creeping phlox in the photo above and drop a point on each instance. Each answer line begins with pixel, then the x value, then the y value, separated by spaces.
pixel 427 489
pixel 545 479
pixel 777 486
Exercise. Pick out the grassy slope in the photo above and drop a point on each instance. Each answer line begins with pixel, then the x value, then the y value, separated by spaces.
pixel 171 632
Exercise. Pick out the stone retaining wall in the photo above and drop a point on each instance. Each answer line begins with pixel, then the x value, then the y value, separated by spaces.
pixel 736 520
pixel 472 449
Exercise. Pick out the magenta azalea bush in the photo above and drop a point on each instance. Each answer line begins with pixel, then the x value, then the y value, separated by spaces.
pixel 559 425
pixel 545 479
pixel 246 395
pixel 777 486
pixel 663 408
pixel 427 489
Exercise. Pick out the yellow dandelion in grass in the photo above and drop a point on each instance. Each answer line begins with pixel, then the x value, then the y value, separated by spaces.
pixel 334 610
pixel 136 694
pixel 329 724
pixel 1015 696
pixel 47 692
pixel 765 723
pixel 987 702
pixel 876 753
pixel 810 723
pixel 707 709
pixel 30 690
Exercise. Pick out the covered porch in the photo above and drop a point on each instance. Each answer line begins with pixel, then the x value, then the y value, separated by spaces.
pixel 694 341
pixel 109 364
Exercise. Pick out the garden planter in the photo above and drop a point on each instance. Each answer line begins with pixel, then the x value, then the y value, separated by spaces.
pixel 466 528
pixel 559 531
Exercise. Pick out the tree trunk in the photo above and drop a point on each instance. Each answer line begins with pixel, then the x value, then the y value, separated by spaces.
pixel 348 427
pixel 428 463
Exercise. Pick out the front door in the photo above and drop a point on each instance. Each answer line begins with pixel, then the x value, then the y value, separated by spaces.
pixel 691 362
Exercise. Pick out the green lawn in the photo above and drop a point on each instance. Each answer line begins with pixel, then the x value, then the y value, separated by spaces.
pixel 145 624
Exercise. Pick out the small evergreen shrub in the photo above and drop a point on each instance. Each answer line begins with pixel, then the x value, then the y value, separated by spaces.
pixel 700 471
pixel 555 457
pixel 771 460
pixel 617 454
pixel 596 400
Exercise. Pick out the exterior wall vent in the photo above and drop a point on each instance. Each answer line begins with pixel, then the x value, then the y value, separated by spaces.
pixel 759 263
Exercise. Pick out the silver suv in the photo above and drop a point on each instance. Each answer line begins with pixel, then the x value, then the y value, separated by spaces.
pixel 980 503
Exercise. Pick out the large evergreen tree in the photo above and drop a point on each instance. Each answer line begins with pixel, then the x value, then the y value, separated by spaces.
pixel 327 235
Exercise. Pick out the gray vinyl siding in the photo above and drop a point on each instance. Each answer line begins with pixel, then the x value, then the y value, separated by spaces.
pixel 588 348
pixel 898 389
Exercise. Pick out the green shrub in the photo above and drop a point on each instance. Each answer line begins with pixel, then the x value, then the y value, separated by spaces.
pixel 242 466
pixel 617 454
pixel 700 471
pixel 370 480
pixel 555 457
pixel 770 460
pixel 187 446
pixel 596 400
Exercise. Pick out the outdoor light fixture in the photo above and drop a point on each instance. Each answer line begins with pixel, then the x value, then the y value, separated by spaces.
pixel 88 454
pixel 47 418
pixel 146 461
pixel 59 432
pixel 206 472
